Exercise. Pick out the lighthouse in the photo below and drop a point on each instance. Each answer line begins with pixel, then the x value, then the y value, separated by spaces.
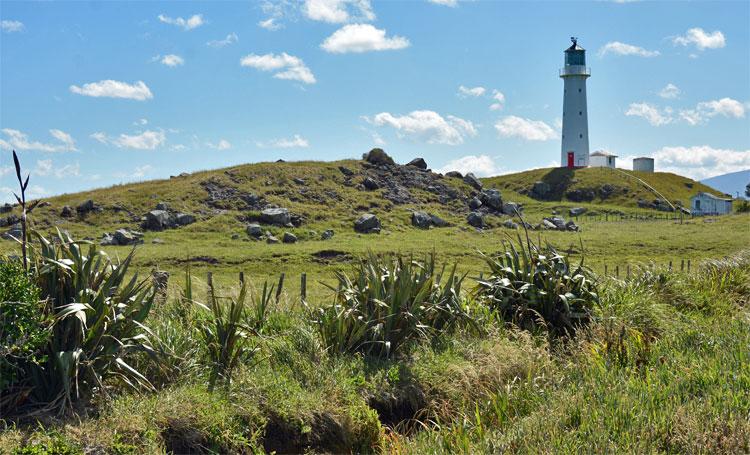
pixel 575 130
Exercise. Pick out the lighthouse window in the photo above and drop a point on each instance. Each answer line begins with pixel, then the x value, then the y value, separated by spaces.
pixel 580 112
pixel 580 136
pixel 579 90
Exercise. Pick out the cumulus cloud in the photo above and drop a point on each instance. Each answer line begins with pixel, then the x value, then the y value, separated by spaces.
pixel 11 26
pixel 670 91
pixel 114 89
pixel 284 66
pixel 499 100
pixel 338 11
pixel 428 126
pixel 464 91
pixel 19 141
pixel 296 141
pixel 269 24
pixel 651 113
pixel 701 39
pixel 46 167
pixel 223 144
pixel 702 161
pixel 479 165
pixel 147 140
pixel 618 48
pixel 451 3
pixel 362 38
pixel 231 38
pixel 194 21
pixel 523 128
pixel 171 60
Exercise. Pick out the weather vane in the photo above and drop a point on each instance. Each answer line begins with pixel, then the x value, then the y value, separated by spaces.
pixel 574 39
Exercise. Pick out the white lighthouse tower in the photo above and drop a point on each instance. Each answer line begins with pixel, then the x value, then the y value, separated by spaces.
pixel 575 131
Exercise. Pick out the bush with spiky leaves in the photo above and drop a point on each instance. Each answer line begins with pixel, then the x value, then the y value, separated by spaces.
pixel 530 286
pixel 389 302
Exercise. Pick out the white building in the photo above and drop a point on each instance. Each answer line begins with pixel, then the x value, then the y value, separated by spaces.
pixel 708 204
pixel 643 164
pixel 575 130
pixel 600 158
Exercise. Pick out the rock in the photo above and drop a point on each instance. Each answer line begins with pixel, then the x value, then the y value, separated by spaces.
pixel 289 238
pixel 418 163
pixel 235 236
pixel 156 220
pixel 346 171
pixel 475 219
pixel 474 203
pixel 157 241
pixel 606 191
pixel 298 181
pixel 5 208
pixel 66 212
pixel 510 224
pixel 510 208
pixel 367 223
pixel 685 211
pixel 377 156
pixel 491 198
pixel 271 239
pixel 126 237
pixel 454 174
pixel 370 184
pixel 421 220
pixel 254 230
pixel 547 224
pixel 473 181
pixel 581 195
pixel 183 219
pixel 184 174
pixel 558 222
pixel 276 216
pixel 327 234
pixel 162 206
pixel 438 222
pixel 86 207
pixel 540 190
pixel 9 220
pixel 107 239
pixel 663 206
pixel 644 204
pixel 577 211
pixel 571 226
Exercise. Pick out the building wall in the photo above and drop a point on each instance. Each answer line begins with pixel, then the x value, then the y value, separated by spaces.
pixel 575 132
pixel 602 161
pixel 709 205
pixel 643 165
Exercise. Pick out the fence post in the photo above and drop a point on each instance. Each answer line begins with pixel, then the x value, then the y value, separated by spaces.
pixel 242 278
pixel 210 283
pixel 688 265
pixel 682 265
pixel 280 287
pixel 628 271
pixel 670 266
pixel 605 269
pixel 303 287
pixel 617 271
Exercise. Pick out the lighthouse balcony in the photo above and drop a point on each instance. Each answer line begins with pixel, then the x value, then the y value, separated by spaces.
pixel 575 70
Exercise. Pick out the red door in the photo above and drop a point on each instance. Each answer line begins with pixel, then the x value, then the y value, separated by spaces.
pixel 570 159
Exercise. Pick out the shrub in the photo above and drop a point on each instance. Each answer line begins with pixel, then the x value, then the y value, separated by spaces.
pixel 388 303
pixel 530 285
pixel 98 319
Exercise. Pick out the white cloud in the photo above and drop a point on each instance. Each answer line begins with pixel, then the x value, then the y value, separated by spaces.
pixel 451 3
pixel 114 89
pixel 616 47
pixel 479 165
pixel 701 161
pixel 194 21
pixel 362 38
pixel 269 24
pixel 172 60
pixel 19 141
pixel 705 110
pixel 499 98
pixel 464 91
pixel 428 126
pixel 141 122
pixel 11 26
pixel 231 38
pixel 651 113
pixel 701 39
pixel 338 11
pixel 223 144
pixel 147 140
pixel 296 141
pixel 46 167
pixel 670 91
pixel 141 171
pixel 284 66
pixel 523 128
pixel 4 170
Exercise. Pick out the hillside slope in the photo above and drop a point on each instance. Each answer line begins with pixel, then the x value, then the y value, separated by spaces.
pixel 733 183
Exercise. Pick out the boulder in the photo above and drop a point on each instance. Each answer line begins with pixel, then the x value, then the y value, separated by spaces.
pixel 421 220
pixel 577 211
pixel 558 222
pixel 370 184
pixel 367 223
pixel 510 224
pixel 9 220
pixel 254 230
pixel 547 224
pixel 492 199
pixel 644 204
pixel 346 171
pixel 183 219
pixel 276 216
pixel 606 191
pixel 474 203
pixel 418 163
pixel 540 190
pixel 438 222
pixel 327 234
pixel 454 174
pixel 580 195
pixel 377 156
pixel 473 181
pixel 162 206
pixel 571 226
pixel 475 219
pixel 157 241
pixel 298 181
pixel 14 231
pixel 86 207
pixel 270 238
pixel 66 212
pixel 510 208
pixel 127 237
pixel 5 208
pixel 156 220
pixel 107 239
pixel 289 238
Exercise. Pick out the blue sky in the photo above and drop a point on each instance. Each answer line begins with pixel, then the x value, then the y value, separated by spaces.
pixel 98 93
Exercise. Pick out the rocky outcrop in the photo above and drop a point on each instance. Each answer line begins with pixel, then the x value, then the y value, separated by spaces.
pixel 492 199
pixel 475 219
pixel 367 224
pixel 540 190
pixel 254 230
pixel 67 212
pixel 289 238
pixel 419 163
pixel 581 195
pixel 577 211
pixel 6 208
pixel 122 237
pixel 14 232
pixel 472 181
pixel 558 224
pixel 9 220
pixel 162 217
pixel 511 208
pixel 454 175
pixel 370 184
pixel 276 216
pixel 378 156
pixel 87 207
